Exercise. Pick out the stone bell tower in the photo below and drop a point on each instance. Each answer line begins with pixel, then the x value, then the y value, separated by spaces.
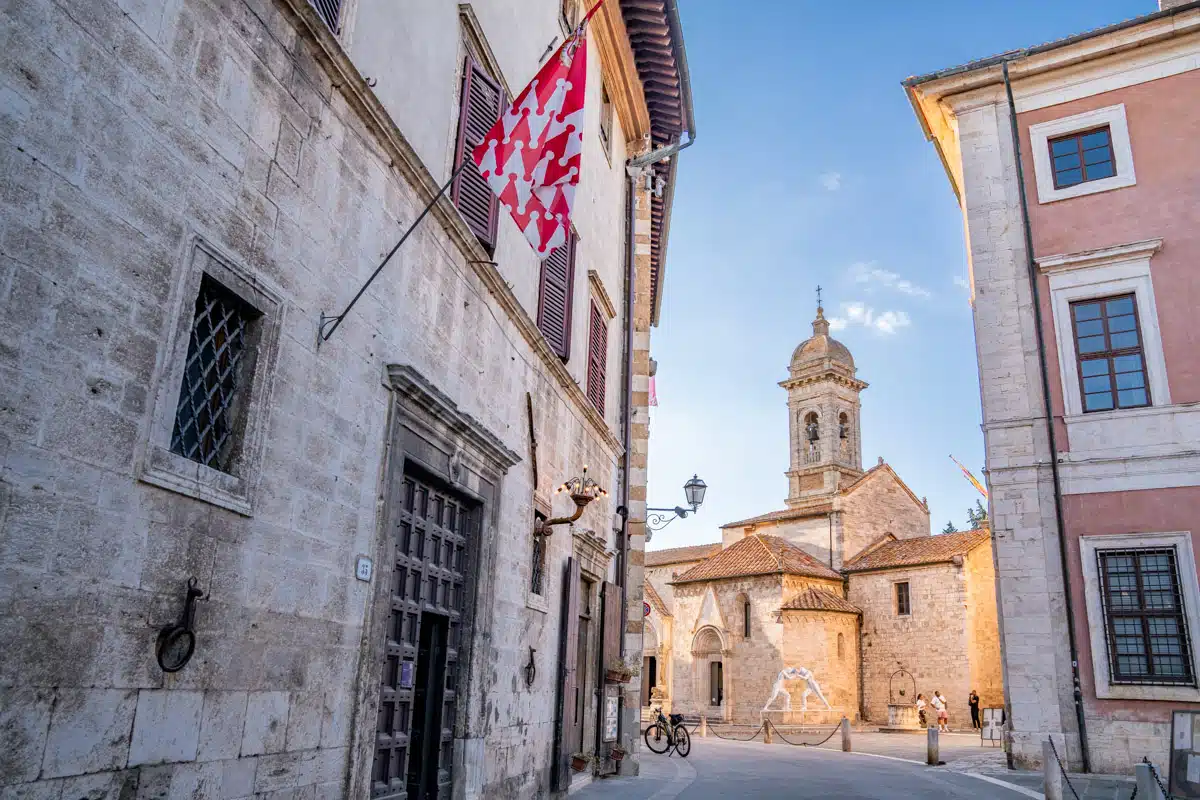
pixel 823 414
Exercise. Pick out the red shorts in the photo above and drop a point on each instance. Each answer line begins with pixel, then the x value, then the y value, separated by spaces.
pixel 943 715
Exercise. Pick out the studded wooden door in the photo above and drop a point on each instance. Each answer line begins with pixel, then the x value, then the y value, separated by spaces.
pixel 433 533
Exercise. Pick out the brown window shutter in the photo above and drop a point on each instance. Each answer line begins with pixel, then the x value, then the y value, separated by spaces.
pixel 597 358
pixel 568 649
pixel 555 291
pixel 612 624
pixel 481 104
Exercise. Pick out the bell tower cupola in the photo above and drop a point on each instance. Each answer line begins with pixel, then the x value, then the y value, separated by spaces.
pixel 823 414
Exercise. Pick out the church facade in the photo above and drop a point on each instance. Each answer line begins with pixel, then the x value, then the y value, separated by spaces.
pixel 839 604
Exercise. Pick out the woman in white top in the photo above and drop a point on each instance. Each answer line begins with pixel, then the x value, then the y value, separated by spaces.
pixel 921 709
pixel 939 703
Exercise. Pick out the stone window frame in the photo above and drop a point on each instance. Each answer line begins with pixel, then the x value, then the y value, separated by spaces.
pixel 1112 117
pixel 159 466
pixel 1123 269
pixel 896 598
pixel 1093 603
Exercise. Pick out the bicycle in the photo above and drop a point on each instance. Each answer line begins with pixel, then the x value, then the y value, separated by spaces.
pixel 665 734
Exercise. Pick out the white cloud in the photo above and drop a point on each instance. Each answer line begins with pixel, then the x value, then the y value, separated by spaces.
pixel 961 283
pixel 866 272
pixel 885 323
pixel 832 181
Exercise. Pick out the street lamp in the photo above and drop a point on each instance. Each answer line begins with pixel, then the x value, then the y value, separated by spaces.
pixel 582 490
pixel 693 490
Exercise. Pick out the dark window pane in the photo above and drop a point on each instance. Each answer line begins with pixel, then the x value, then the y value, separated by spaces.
pixel 1097 171
pixel 1095 139
pixel 1097 384
pixel 1130 380
pixel 1124 339
pixel 1097 402
pixel 1087 311
pixel 1091 344
pixel 1069 161
pixel 1092 327
pixel 1131 398
pixel 1069 177
pixel 1122 305
pixel 1099 366
pixel 1100 155
pixel 1063 146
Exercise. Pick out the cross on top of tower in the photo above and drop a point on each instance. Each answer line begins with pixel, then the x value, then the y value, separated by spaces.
pixel 818 295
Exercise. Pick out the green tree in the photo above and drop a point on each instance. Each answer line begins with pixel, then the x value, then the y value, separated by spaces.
pixel 976 515
pixel 950 527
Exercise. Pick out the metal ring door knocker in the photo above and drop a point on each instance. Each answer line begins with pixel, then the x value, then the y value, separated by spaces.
pixel 177 642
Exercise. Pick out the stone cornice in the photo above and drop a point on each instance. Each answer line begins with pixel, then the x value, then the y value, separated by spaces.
pixel 1133 251
pixel 600 295
pixel 359 98
pixel 828 375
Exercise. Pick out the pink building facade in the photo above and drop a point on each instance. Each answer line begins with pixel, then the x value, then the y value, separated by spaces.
pixel 1083 241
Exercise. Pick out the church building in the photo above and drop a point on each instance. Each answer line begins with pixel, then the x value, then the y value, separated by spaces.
pixel 841 603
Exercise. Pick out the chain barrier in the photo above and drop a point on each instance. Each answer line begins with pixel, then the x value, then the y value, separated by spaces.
pixel 1157 779
pixel 1063 769
pixel 712 729
pixel 804 744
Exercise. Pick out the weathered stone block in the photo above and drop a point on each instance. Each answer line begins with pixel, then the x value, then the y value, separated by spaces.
pixel 304 720
pixel 89 731
pixel 24 725
pixel 237 777
pixel 166 727
pixel 222 721
pixel 266 723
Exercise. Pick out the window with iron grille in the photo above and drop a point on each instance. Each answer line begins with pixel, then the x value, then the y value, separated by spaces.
pixel 215 378
pixel 1081 157
pixel 1145 626
pixel 606 120
pixel 903 600
pixel 328 10
pixel 1108 346
pixel 538 560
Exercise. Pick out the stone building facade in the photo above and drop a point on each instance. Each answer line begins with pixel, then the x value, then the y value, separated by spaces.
pixel 818 584
pixel 186 187
pixel 1075 268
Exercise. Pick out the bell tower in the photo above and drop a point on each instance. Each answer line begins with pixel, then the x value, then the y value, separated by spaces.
pixel 823 415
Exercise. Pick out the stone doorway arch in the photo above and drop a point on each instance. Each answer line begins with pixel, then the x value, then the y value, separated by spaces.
pixel 710 676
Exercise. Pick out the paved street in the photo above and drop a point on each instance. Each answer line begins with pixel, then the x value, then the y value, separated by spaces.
pixel 722 769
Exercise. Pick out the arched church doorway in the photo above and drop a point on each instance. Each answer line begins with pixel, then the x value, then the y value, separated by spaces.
pixel 708 678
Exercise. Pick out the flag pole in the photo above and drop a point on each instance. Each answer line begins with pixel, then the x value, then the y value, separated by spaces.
pixel 333 322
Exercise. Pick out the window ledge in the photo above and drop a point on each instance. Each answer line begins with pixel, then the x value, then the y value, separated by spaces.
pixel 537 602
pixel 175 473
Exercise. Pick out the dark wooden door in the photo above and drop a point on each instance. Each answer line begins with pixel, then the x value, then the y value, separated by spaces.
pixel 567 656
pixel 434 532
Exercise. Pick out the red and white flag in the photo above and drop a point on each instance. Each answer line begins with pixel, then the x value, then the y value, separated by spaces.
pixel 530 158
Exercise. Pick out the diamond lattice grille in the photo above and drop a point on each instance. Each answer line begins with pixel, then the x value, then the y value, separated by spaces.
pixel 205 419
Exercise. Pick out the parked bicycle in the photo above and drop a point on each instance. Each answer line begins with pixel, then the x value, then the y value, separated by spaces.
pixel 667 733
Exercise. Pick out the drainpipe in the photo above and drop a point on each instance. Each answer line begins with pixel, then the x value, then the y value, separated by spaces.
pixel 1045 370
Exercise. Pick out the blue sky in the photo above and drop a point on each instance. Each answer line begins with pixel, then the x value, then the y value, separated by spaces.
pixel 810 168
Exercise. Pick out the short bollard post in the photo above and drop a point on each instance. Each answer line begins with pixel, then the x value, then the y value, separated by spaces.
pixel 845 735
pixel 931 747
pixel 1052 777
pixel 1146 785
pixel 703 727
pixel 767 732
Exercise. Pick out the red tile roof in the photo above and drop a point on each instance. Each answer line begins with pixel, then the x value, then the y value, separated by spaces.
pixel 655 599
pixel 814 599
pixel 678 555
pixel 921 550
pixel 758 554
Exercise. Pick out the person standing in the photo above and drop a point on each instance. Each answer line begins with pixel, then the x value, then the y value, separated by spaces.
pixel 939 703
pixel 921 710
pixel 973 702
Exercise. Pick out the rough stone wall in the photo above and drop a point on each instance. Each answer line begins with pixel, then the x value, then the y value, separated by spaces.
pixel 827 644
pixel 123 131
pixel 931 642
pixel 811 535
pixel 983 627
pixel 877 507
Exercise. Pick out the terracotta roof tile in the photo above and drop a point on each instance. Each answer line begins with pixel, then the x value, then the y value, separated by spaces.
pixel 814 599
pixel 921 550
pixel 758 554
pixel 655 599
pixel 678 555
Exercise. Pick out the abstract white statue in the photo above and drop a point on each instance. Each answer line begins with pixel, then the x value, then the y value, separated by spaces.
pixel 796 674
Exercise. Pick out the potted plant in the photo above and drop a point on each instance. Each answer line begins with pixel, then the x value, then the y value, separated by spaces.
pixel 580 761
pixel 617 753
pixel 618 671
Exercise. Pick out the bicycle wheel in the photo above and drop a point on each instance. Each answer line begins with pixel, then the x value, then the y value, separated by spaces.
pixel 683 741
pixel 656 739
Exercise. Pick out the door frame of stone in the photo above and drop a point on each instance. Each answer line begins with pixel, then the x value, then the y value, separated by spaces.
pixel 702 671
pixel 427 428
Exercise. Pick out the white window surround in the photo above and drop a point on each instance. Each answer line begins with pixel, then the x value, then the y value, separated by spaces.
pixel 1189 587
pixel 1100 273
pixel 1041 134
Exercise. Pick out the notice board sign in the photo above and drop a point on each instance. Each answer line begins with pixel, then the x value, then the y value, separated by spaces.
pixel 612 709
pixel 992 729
pixel 1185 754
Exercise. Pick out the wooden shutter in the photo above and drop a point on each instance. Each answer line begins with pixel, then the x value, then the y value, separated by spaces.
pixel 597 357
pixel 568 649
pixel 611 641
pixel 555 291
pixel 481 103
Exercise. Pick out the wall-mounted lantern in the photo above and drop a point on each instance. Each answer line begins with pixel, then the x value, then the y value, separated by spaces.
pixel 582 491
pixel 693 492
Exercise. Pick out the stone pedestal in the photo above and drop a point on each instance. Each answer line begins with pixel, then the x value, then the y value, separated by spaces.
pixel 902 718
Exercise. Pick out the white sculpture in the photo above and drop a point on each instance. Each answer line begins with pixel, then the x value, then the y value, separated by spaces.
pixel 796 674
